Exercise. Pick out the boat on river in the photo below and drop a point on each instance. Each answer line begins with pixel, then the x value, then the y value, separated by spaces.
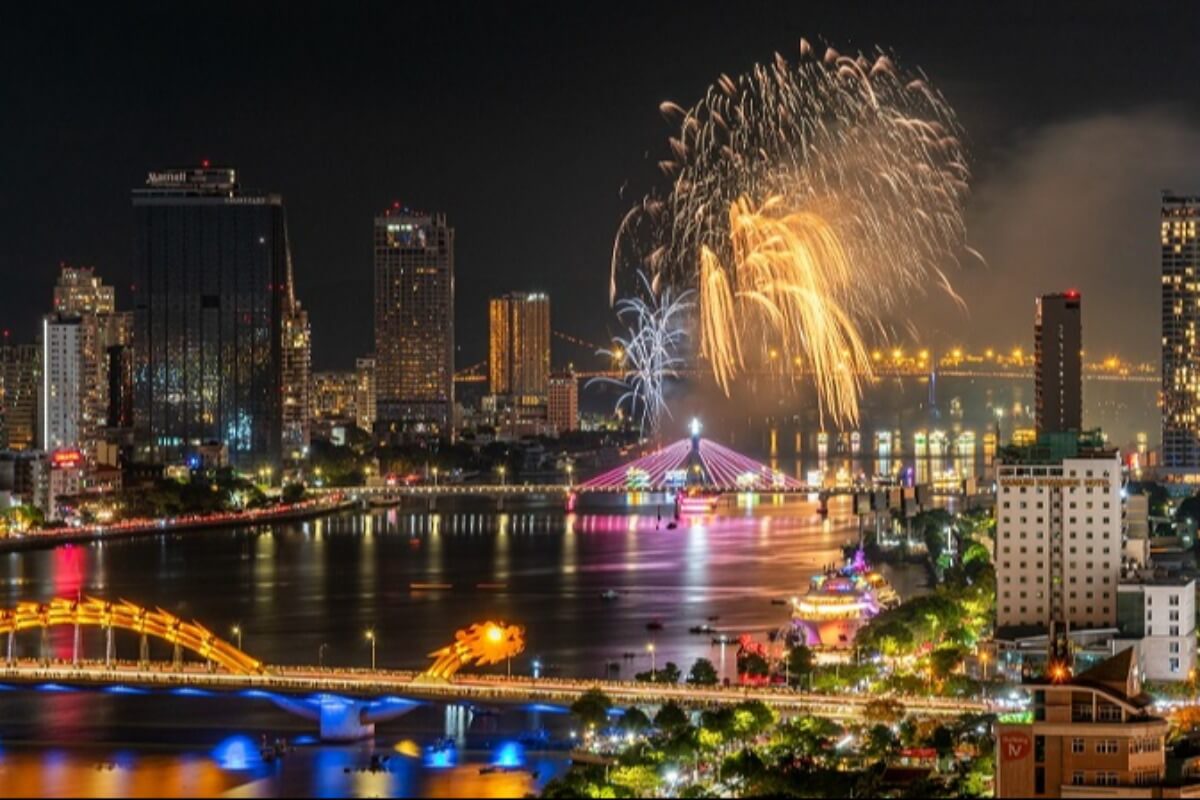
pixel 839 602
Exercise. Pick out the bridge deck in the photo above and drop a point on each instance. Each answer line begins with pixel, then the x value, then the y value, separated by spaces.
pixel 472 688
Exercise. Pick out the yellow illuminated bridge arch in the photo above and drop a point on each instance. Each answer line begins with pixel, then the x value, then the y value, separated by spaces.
pixel 160 624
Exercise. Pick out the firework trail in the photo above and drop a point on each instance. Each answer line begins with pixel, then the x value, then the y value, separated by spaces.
pixel 649 355
pixel 806 200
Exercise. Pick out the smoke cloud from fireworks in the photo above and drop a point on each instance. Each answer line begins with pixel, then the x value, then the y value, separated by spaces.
pixel 806 201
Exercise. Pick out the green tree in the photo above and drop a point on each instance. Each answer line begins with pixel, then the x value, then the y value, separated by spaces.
pixel 293 493
pixel 668 674
pixel 702 673
pixel 753 665
pixel 670 717
pixel 879 742
pixel 641 781
pixel 800 664
pixel 945 660
pixel 634 720
pixel 884 711
pixel 592 708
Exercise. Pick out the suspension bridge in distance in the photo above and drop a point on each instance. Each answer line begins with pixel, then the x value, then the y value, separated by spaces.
pixel 344 702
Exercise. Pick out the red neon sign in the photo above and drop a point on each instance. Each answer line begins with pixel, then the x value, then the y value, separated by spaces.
pixel 66 459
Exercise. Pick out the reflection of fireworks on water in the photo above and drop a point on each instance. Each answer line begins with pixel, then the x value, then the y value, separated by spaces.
pixel 806 200
pixel 649 355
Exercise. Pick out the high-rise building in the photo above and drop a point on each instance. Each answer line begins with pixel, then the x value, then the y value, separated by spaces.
pixel 1058 352
pixel 1058 534
pixel 564 401
pixel 20 383
pixel 335 395
pixel 80 291
pixel 297 367
pixel 1180 343
pixel 212 296
pixel 365 394
pixel 519 344
pixel 414 323
pixel 63 379
pixel 80 297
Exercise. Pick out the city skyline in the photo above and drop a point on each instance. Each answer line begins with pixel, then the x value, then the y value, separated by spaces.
pixel 331 204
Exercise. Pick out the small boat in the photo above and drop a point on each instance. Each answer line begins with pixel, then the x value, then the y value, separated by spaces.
pixel 700 629
pixel 778 601
pixel 722 639
pixel 611 594
pixel 714 618
pixel 627 655
pixel 654 625
pixel 672 526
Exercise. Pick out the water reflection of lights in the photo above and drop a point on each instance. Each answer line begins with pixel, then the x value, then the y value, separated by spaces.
pixel 509 755
pixel 237 753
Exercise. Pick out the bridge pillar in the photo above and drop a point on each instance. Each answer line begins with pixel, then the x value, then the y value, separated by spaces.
pixel 343 719
pixel 108 646
pixel 44 656
pixel 10 653
pixel 144 652
pixel 75 646
pixel 177 658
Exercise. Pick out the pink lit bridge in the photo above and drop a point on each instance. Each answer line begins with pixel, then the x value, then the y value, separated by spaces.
pixel 694 463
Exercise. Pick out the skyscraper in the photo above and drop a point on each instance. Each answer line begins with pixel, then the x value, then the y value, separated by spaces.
pixel 1058 534
pixel 63 381
pixel 1180 347
pixel 365 394
pixel 212 291
pixel 1058 351
pixel 414 323
pixel 83 301
pixel 20 381
pixel 519 344
pixel 564 401
pixel 297 367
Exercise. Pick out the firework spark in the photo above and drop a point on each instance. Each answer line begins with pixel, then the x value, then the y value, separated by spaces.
pixel 649 355
pixel 806 201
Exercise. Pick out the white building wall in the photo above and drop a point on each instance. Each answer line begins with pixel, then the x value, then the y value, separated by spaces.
pixel 62 384
pixel 1058 542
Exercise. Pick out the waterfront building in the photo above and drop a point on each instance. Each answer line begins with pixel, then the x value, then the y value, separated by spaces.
pixel 1058 534
pixel 414 324
pixel 564 401
pixel 297 367
pixel 519 344
pixel 1090 735
pixel 83 301
pixel 1180 345
pixel 212 295
pixel 20 382
pixel 365 394
pixel 1058 357
pixel 63 376
pixel 335 396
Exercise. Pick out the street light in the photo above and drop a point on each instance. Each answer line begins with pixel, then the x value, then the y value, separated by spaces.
pixel 435 476
pixel 650 650
pixel 570 474
pixel 501 470
pixel 237 631
pixel 321 655
pixel 371 639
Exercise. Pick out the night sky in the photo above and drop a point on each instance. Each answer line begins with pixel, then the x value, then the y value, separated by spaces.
pixel 523 122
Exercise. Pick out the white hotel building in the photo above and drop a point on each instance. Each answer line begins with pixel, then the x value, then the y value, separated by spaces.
pixel 1058 536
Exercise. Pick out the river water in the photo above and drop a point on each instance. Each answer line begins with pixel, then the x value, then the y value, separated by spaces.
pixel 308 591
